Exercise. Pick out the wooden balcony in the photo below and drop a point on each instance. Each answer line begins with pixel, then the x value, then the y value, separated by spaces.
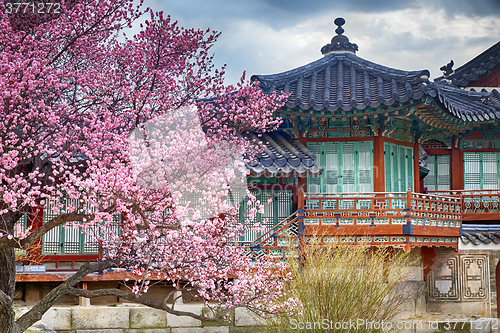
pixel 403 219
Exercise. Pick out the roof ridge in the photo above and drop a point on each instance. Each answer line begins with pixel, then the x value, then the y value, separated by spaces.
pixel 468 72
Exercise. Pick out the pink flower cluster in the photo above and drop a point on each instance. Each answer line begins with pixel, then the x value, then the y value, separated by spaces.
pixel 73 96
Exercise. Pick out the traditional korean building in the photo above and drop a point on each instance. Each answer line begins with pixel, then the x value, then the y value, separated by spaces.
pixel 373 155
pixel 387 157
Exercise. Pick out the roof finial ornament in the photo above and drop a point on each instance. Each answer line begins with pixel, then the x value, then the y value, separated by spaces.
pixel 339 43
pixel 339 21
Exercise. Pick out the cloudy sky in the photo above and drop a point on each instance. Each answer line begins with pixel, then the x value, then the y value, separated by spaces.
pixel 272 36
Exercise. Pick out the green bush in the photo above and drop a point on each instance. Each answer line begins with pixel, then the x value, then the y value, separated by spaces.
pixel 337 283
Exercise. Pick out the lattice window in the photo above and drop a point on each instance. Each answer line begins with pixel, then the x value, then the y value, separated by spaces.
pixel 330 181
pixel 314 183
pixel 23 222
pixel 398 167
pixel 275 211
pixel 481 171
pixel 438 178
pixel 72 238
pixel 348 167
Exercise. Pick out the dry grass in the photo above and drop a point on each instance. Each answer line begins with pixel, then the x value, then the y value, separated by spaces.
pixel 338 283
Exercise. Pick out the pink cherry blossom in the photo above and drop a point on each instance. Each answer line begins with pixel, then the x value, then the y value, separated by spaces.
pixel 80 109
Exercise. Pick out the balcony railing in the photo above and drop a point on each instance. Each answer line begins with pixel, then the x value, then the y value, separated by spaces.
pixel 403 219
pixel 475 201
pixel 382 208
pixel 377 218
pixel 380 218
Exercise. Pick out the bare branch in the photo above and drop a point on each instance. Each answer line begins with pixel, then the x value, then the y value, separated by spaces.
pixel 36 313
pixel 25 243
pixel 161 305
pixel 83 33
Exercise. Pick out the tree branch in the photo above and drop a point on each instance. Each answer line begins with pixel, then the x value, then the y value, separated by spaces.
pixel 161 305
pixel 36 312
pixel 56 221
pixel 83 33
pixel 25 243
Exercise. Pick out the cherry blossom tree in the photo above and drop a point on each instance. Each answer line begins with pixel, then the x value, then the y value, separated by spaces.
pixel 140 126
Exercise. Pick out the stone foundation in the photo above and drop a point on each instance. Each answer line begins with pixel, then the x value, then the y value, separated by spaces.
pixel 459 286
pixel 137 319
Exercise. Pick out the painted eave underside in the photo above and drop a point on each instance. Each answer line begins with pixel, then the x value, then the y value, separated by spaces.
pixel 344 81
pixel 282 156
pixel 478 234
pixel 470 72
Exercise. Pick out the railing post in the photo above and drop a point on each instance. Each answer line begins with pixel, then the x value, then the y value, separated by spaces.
pixel 408 228
pixel 408 199
pixel 300 220
pixel 462 210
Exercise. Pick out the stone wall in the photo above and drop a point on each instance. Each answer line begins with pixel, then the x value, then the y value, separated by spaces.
pixel 494 257
pixel 137 319
pixel 415 286
pixel 459 283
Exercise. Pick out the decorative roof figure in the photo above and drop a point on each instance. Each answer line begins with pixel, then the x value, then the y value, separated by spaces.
pixel 447 69
pixel 339 43
pixel 473 69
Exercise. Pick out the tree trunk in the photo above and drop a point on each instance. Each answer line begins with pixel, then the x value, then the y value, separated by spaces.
pixel 7 288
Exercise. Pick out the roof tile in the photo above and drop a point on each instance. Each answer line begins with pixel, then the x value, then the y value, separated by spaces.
pixel 282 157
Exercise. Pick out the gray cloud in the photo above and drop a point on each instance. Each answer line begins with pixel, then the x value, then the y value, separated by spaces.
pixel 283 13
pixel 271 36
pixel 469 8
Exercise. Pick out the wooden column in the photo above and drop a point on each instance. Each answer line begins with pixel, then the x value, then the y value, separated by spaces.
pixel 35 220
pixel 378 164
pixel 416 168
pixel 84 301
pixel 457 169
pixel 428 255
pixel 301 191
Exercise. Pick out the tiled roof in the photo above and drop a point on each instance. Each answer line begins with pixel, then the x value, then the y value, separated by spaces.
pixel 343 81
pixel 282 157
pixel 480 233
pixel 468 105
pixel 480 65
